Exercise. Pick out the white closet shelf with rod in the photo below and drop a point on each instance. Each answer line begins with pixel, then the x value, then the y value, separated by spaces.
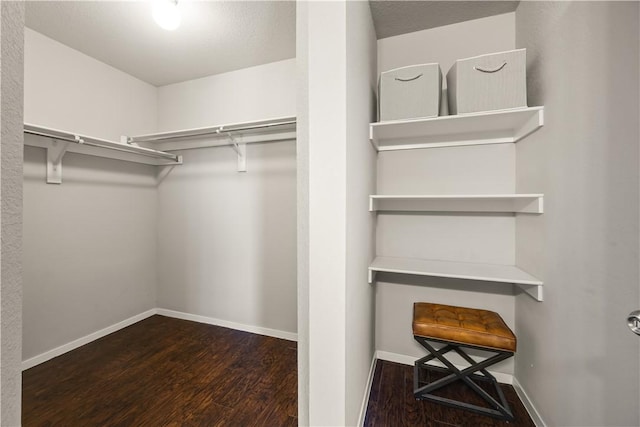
pixel 59 142
pixel 508 274
pixel 235 135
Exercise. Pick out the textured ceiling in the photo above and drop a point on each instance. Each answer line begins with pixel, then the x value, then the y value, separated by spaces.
pixel 392 18
pixel 214 37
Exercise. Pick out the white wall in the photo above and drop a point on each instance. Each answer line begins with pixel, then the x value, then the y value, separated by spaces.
pixel 11 93
pixel 227 240
pixel 336 49
pixel 94 246
pixel 89 244
pixel 302 181
pixel 254 93
pixel 66 89
pixel 490 169
pixel 361 180
pixel 95 250
pixel 327 145
pixel 577 360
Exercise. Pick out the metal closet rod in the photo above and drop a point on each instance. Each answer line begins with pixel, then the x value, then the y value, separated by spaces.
pixel 217 130
pixel 96 142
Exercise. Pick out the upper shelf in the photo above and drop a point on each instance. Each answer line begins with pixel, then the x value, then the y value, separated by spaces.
pixel 58 143
pixel 512 203
pixel 97 147
pixel 493 127
pixel 269 130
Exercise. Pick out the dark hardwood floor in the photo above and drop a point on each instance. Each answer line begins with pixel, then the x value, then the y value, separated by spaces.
pixel 169 372
pixel 391 402
pixel 166 372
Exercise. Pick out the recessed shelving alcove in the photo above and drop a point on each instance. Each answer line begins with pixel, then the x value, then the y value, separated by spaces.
pixel 494 127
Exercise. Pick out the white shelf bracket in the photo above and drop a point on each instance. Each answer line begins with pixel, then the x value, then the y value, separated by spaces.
pixel 372 276
pixel 242 157
pixel 126 140
pixel 534 291
pixel 165 170
pixel 241 151
pixel 534 123
pixel 55 153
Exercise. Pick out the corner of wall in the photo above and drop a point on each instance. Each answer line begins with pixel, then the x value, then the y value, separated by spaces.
pixel 302 167
pixel 361 52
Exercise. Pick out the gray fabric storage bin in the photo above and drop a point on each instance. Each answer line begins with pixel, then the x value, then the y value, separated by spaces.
pixel 497 81
pixel 410 92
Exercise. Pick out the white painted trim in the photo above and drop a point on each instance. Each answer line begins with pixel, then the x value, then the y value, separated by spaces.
pixel 528 404
pixel 48 355
pixel 409 360
pixel 292 336
pixel 367 392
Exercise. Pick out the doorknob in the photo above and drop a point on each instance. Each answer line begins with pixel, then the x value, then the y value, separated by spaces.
pixel 634 321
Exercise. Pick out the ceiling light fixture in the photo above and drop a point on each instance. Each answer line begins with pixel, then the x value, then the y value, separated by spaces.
pixel 167 14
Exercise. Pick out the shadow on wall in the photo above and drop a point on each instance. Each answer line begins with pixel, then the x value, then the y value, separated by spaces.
pixel 584 59
pixel 80 169
pixel 227 239
pixel 447 283
pixel 88 247
pixel 620 244
pixel 275 193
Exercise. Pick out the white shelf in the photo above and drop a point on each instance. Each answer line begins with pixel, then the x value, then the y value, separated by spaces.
pixel 514 203
pixel 458 270
pixel 269 130
pixel 494 127
pixel 234 135
pixel 59 142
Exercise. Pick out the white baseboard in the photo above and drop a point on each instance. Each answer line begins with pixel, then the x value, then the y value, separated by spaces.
pixel 367 392
pixel 409 360
pixel 291 336
pixel 48 355
pixel 528 404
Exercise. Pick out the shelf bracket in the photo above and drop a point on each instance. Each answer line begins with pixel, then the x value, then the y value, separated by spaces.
pixel 372 276
pixel 534 123
pixel 126 140
pixel 534 291
pixel 165 170
pixel 241 151
pixel 242 157
pixel 55 153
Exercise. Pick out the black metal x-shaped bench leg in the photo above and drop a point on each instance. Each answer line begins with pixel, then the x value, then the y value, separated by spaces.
pixel 497 409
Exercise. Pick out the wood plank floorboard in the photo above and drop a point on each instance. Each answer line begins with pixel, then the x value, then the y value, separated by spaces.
pixel 166 372
pixel 391 402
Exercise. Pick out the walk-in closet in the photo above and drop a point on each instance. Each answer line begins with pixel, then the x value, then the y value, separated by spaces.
pixel 159 180
pixel 326 213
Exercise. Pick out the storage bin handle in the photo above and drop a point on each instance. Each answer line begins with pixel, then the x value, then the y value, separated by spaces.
pixel 410 79
pixel 495 70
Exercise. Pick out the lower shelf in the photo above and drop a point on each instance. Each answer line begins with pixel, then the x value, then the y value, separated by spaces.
pixel 459 270
pixel 516 203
